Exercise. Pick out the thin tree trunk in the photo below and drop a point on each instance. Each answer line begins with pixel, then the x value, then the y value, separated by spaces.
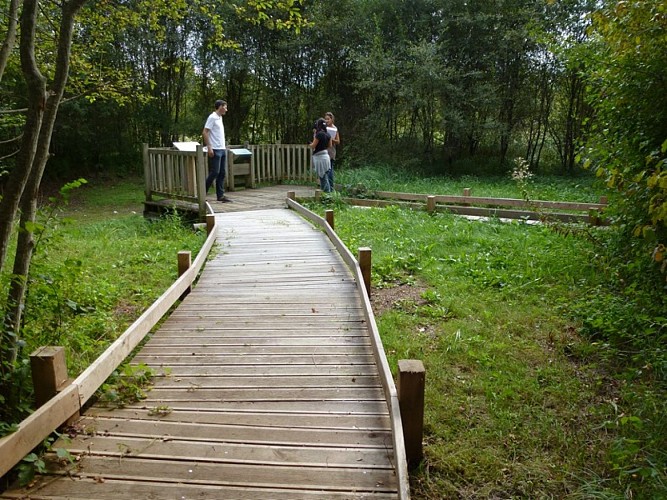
pixel 33 170
pixel 10 37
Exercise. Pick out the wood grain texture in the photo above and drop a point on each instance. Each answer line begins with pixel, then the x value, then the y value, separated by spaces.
pixel 266 385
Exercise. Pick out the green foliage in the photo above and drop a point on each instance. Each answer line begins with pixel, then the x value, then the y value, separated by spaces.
pixel 545 371
pixel 91 280
pixel 126 385
pixel 628 146
pixel 34 462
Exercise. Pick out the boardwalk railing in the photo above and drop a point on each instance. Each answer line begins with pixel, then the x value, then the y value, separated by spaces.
pixel 181 175
pixel 510 208
pixel 388 385
pixel 40 424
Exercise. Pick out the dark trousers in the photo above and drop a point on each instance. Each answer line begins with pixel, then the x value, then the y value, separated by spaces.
pixel 216 172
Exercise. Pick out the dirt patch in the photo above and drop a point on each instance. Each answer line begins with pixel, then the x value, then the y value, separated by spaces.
pixel 383 299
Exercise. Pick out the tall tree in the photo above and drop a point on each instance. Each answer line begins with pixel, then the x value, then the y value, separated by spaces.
pixel 46 80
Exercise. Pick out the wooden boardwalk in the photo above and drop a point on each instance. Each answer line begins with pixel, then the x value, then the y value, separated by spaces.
pixel 267 386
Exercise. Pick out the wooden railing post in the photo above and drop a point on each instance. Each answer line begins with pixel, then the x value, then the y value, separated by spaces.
pixel 210 223
pixel 184 263
pixel 365 265
pixel 329 215
pixel 49 372
pixel 430 204
pixel 201 166
pixel 291 195
pixel 148 181
pixel 411 385
pixel 318 194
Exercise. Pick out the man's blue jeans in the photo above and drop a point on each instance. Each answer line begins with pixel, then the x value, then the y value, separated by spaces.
pixel 216 172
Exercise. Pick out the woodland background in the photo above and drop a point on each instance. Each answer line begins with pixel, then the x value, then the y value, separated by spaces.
pixel 447 87
pixel 428 88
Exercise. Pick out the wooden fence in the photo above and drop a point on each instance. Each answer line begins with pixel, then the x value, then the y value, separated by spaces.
pixel 181 175
pixel 67 403
pixel 509 208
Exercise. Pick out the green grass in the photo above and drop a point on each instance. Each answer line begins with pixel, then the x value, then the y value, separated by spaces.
pixel 98 267
pixel 520 401
pixel 580 189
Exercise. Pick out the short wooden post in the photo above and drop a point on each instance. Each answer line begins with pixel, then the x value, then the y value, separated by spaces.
pixel 184 263
pixel 365 265
pixel 466 193
pixel 291 195
pixel 49 372
pixel 210 223
pixel 603 200
pixel 329 215
pixel 318 194
pixel 411 384
pixel 430 204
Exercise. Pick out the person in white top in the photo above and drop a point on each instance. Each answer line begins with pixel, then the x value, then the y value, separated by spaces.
pixel 332 130
pixel 214 140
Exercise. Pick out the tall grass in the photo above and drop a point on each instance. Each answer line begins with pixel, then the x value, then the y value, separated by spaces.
pixel 382 178
pixel 528 394
pixel 95 269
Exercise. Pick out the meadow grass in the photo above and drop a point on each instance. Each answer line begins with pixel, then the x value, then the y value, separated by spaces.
pixel 582 188
pixel 520 403
pixel 99 265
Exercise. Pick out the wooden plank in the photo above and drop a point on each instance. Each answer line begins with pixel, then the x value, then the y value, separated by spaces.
pixel 187 339
pixel 315 359
pixel 295 407
pixel 304 455
pixel 223 417
pixel 236 433
pixel 301 370
pixel 240 475
pixel 254 350
pixel 286 395
pixel 326 381
pixel 112 489
pixel 34 429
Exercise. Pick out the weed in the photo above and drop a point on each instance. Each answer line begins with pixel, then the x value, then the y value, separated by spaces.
pixel 126 385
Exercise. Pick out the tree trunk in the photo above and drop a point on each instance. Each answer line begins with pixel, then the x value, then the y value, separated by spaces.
pixel 34 155
pixel 10 37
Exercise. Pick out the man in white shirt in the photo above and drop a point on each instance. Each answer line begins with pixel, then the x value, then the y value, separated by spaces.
pixel 214 140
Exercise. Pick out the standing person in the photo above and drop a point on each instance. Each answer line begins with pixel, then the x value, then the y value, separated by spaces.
pixel 214 140
pixel 321 161
pixel 332 130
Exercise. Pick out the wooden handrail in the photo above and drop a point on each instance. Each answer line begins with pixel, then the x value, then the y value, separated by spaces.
pixel 388 385
pixel 40 424
pixel 181 175
pixel 499 202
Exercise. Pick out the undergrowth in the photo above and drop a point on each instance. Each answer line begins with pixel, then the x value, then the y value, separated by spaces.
pixel 545 367
pixel 91 279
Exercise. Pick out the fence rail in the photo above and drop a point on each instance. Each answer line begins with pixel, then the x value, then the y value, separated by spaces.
pixel 37 427
pixel 181 175
pixel 590 213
